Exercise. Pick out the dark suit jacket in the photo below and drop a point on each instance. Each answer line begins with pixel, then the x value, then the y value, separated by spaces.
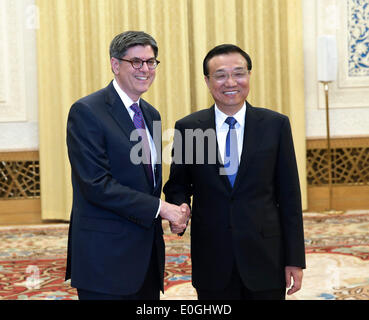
pixel 257 224
pixel 113 226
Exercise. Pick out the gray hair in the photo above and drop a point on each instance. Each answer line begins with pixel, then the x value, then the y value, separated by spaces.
pixel 123 41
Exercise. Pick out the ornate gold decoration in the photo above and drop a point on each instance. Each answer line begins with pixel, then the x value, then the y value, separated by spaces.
pixel 19 178
pixel 349 165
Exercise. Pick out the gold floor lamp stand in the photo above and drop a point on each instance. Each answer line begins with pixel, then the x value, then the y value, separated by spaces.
pixel 330 209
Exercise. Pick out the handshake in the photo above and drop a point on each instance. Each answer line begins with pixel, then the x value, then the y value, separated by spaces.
pixel 177 216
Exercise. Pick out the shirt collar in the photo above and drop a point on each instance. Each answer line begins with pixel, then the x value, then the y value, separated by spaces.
pixel 220 116
pixel 127 101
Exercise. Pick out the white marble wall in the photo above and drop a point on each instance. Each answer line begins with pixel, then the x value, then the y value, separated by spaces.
pixel 18 75
pixel 349 94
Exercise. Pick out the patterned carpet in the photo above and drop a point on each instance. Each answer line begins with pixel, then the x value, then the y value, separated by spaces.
pixel 32 261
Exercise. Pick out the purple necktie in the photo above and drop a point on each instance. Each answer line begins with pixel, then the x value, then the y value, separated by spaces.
pixel 139 123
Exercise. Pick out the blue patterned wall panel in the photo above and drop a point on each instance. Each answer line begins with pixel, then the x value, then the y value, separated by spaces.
pixel 358 37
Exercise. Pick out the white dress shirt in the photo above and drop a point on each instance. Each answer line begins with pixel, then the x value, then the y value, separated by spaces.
pixel 222 129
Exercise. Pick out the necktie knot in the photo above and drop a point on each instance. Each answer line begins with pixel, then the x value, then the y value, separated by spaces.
pixel 231 122
pixel 136 108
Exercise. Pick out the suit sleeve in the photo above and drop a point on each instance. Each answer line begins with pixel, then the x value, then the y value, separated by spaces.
pixel 91 170
pixel 289 199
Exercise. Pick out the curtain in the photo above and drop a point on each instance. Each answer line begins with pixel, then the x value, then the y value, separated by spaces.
pixel 73 61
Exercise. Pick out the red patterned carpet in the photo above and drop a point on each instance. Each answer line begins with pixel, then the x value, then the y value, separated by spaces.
pixel 32 261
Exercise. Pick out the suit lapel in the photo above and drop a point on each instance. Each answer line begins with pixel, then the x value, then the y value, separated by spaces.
pixel 118 110
pixel 156 136
pixel 251 141
pixel 205 123
pixel 147 115
pixel 120 114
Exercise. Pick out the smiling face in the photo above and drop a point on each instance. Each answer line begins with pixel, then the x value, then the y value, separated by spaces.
pixel 134 82
pixel 230 93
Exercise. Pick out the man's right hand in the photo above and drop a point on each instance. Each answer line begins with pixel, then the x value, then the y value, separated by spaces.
pixel 186 211
pixel 176 215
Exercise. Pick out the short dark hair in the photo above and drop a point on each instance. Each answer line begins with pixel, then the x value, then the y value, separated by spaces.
pixel 225 49
pixel 123 41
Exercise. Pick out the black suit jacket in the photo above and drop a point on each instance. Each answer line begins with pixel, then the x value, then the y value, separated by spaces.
pixel 113 226
pixel 258 223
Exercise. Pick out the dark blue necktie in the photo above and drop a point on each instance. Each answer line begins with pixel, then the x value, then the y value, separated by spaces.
pixel 139 123
pixel 231 151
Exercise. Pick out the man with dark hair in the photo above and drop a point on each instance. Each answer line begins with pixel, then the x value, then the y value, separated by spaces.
pixel 247 239
pixel 115 246
pixel 225 49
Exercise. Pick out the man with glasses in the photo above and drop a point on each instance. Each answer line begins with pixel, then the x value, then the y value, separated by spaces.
pixel 247 239
pixel 115 246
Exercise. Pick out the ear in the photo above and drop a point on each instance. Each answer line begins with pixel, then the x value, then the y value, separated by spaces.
pixel 207 81
pixel 114 65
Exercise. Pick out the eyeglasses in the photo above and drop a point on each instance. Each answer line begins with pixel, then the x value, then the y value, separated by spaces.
pixel 138 63
pixel 236 75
